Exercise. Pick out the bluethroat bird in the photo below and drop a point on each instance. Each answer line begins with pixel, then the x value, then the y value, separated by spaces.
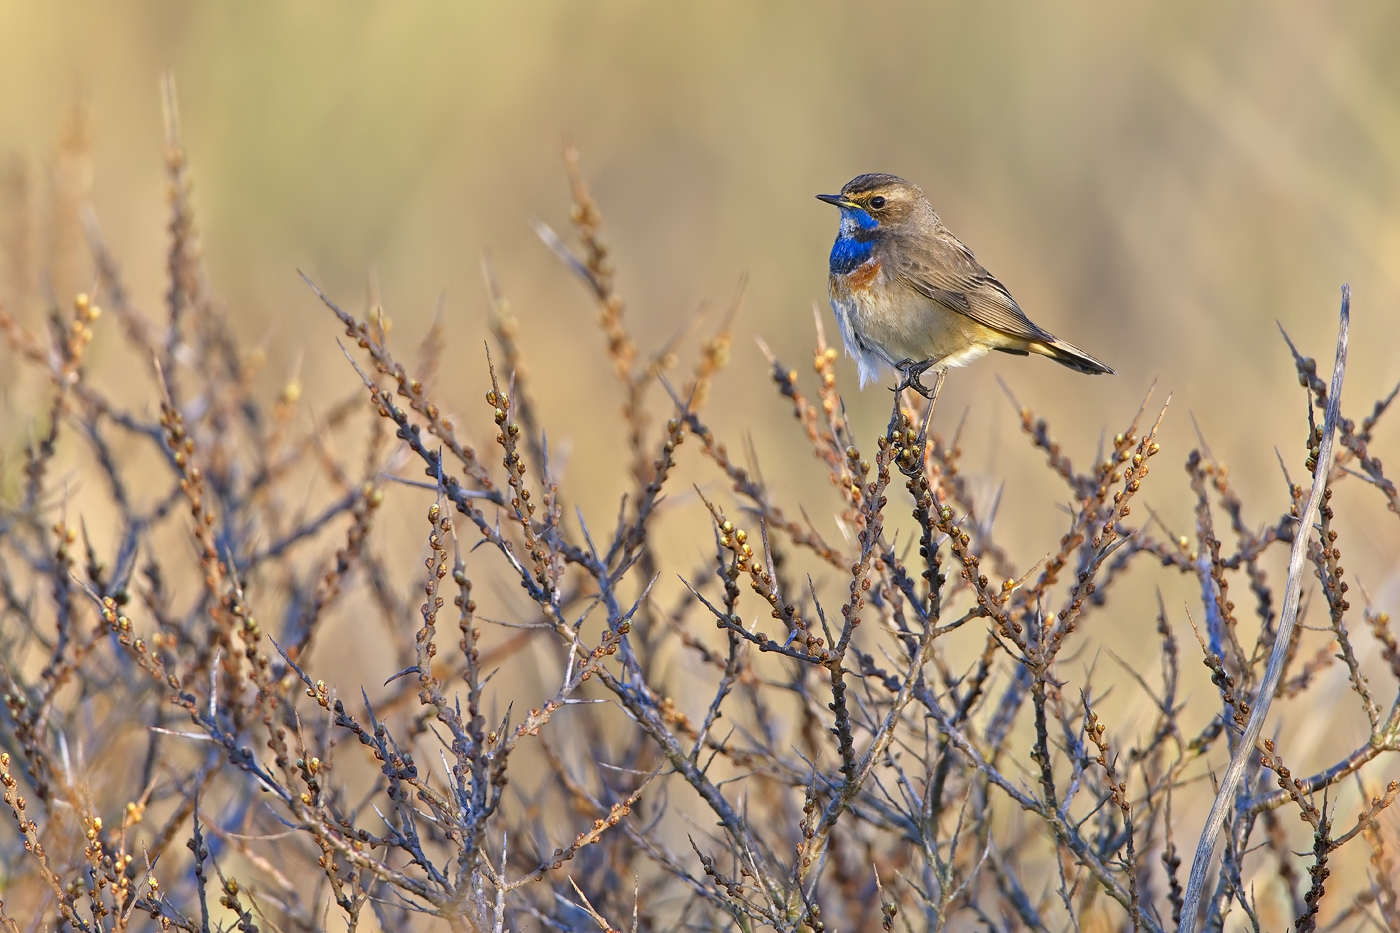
pixel 909 296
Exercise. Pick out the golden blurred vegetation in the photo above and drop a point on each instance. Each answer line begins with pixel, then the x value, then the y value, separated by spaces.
pixel 1158 184
pixel 1171 178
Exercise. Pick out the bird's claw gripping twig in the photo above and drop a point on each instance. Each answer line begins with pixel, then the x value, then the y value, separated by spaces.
pixel 910 372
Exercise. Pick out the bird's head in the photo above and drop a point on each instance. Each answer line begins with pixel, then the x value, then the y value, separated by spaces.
pixel 876 202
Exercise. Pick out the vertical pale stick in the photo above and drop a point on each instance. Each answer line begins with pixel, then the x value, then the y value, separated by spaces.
pixel 1195 886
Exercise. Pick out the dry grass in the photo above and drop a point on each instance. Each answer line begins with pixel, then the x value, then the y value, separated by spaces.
pixel 888 730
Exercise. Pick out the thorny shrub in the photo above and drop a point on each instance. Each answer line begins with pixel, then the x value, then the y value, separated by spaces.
pixel 176 757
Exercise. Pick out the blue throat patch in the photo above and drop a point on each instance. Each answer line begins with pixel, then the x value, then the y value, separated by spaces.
pixel 855 242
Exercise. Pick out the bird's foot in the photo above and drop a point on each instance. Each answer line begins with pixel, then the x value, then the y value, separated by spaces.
pixel 910 372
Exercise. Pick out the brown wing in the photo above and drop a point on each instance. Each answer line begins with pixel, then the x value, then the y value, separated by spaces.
pixel 942 269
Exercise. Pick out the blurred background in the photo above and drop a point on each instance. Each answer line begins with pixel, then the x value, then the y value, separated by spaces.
pixel 1157 183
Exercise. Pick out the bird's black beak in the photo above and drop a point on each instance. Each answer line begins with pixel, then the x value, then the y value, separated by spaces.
pixel 836 199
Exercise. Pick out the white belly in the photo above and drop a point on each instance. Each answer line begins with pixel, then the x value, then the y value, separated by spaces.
pixel 888 323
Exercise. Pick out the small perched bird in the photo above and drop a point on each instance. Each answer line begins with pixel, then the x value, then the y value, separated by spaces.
pixel 911 297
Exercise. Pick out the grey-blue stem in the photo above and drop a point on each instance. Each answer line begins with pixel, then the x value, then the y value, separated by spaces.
pixel 1196 883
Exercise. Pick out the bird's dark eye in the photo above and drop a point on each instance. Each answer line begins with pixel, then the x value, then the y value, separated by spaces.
pixel 877 202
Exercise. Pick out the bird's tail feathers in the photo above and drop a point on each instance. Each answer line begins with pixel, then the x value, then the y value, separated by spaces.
pixel 1069 355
